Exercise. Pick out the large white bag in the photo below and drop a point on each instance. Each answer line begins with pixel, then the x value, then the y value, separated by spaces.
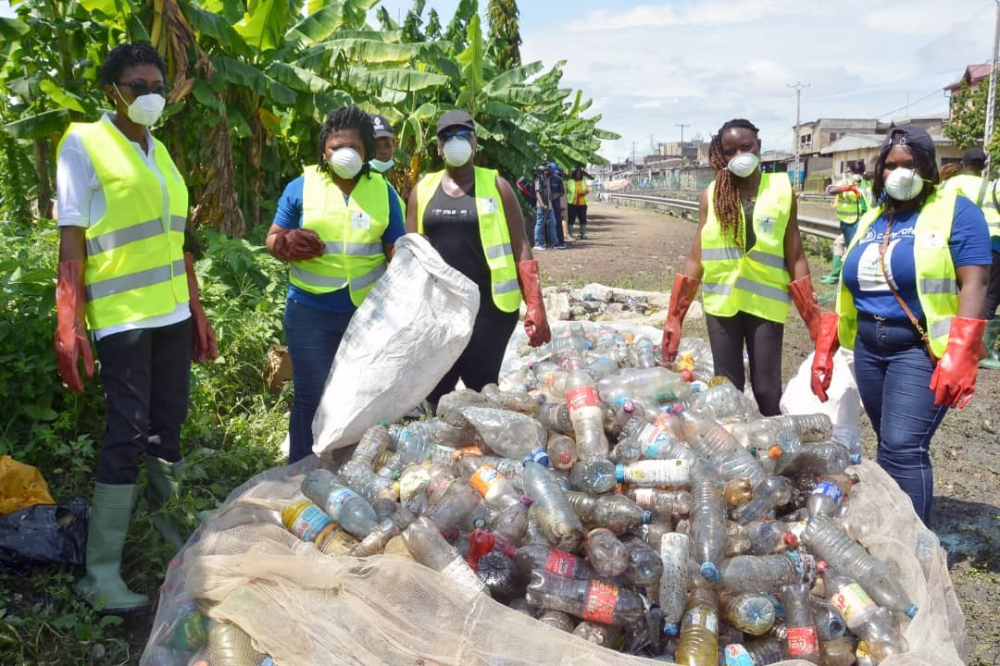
pixel 844 403
pixel 408 332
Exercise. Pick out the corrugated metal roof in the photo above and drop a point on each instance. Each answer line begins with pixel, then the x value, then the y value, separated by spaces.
pixel 853 142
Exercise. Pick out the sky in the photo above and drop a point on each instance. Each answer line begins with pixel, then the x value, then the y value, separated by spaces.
pixel 650 66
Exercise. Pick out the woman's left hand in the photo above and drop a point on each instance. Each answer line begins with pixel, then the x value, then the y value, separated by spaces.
pixel 203 345
pixel 954 378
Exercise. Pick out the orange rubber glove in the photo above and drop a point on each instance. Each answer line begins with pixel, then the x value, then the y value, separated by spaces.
pixel 536 323
pixel 297 244
pixel 827 344
pixel 681 297
pixel 804 298
pixel 203 346
pixel 954 378
pixel 71 325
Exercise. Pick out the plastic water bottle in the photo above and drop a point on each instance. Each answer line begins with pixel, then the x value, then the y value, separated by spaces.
pixel 537 556
pixel 849 437
pixel 605 635
pixel 359 477
pixel 838 652
pixel 605 552
pixel 306 521
pixel 644 565
pixel 655 384
pixel 229 645
pixel 823 458
pixel 558 620
pixel 830 623
pixel 768 438
pixel 601 366
pixel 643 350
pixel 594 476
pixel 674 549
pixel 665 504
pixel 556 518
pixel 763 573
pixel 750 613
pixel 863 617
pixel 512 470
pixel 515 401
pixel 774 492
pixel 738 491
pixel 583 403
pixel 593 600
pixel 711 440
pixel 342 504
pixel 509 434
pixel 654 443
pixel 655 473
pixel 694 359
pixel 497 572
pixel 338 543
pixel 761 652
pixel 824 499
pixel 428 547
pixel 708 524
pixel 554 416
pixel 724 403
pixel 561 450
pixel 756 538
pixel 830 543
pixel 699 639
pixel 809 428
pixel 429 440
pixel 373 444
pixel 800 624
pixel 614 512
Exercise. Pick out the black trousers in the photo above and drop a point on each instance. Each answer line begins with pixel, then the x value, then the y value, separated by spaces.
pixel 993 291
pixel 479 363
pixel 557 211
pixel 146 377
pixel 574 213
pixel 727 335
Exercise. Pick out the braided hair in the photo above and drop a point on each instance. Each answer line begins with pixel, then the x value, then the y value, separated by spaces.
pixel 726 200
pixel 344 119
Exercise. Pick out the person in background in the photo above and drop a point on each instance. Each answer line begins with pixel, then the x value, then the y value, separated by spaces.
pixel 558 189
pixel 385 145
pixel 745 250
pixel 336 225
pixel 472 218
pixel 545 221
pixel 125 277
pixel 851 205
pixel 577 190
pixel 910 305
pixel 949 171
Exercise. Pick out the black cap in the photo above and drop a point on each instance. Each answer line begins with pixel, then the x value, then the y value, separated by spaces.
pixel 912 136
pixel 975 157
pixel 456 118
pixel 382 126
pixel 856 166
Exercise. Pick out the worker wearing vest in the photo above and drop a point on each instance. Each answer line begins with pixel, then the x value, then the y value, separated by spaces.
pixel 746 247
pixel 914 277
pixel 577 190
pixel 124 276
pixel 472 218
pixel 335 225
pixel 853 201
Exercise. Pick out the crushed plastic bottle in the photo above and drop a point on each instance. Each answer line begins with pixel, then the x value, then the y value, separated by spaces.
pixel 342 504
pixel 605 552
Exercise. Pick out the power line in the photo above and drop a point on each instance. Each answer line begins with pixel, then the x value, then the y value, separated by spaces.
pixel 909 104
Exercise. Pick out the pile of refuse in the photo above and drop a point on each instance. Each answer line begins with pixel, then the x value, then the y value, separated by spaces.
pixel 597 302
pixel 593 494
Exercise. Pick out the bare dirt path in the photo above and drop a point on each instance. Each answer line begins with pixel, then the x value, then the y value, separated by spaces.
pixel 641 249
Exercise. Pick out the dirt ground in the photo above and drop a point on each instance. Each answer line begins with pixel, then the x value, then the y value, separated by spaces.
pixel 642 249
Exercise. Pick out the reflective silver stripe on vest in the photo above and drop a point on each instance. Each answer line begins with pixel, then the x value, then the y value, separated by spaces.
pixel 316 279
pixel 124 283
pixel 716 288
pixel 764 290
pixel 506 286
pixel 771 260
pixel 353 249
pixel 359 283
pixel 939 286
pixel 497 251
pixel 178 223
pixel 720 253
pixel 939 328
pixel 120 237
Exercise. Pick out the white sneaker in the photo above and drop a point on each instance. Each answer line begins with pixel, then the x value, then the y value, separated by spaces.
pixel 539 248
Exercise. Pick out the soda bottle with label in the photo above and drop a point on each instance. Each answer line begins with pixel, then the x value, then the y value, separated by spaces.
pixel 801 640
pixel 593 600
pixel 537 556
pixel 584 405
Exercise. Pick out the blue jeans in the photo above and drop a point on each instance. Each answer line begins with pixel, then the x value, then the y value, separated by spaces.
pixel 848 231
pixel 545 225
pixel 894 372
pixel 313 337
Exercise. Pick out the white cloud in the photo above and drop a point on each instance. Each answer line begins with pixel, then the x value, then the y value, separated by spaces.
pixel 648 104
pixel 690 14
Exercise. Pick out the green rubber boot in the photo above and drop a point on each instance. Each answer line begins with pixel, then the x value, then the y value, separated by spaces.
pixel 102 586
pixel 834 276
pixel 164 483
pixel 990 337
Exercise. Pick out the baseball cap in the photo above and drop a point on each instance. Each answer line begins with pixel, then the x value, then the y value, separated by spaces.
pixel 912 136
pixel 974 157
pixel 382 126
pixel 455 118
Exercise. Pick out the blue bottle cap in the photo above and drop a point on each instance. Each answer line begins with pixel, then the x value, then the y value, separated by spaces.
pixel 620 473
pixel 537 455
pixel 855 458
pixel 710 572
pixel 647 517
pixel 671 629
pixel 910 611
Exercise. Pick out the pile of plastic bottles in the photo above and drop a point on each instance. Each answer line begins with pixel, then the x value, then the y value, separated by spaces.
pixel 640 508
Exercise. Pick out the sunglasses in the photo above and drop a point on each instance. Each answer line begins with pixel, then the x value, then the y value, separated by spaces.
pixel 140 88
pixel 461 134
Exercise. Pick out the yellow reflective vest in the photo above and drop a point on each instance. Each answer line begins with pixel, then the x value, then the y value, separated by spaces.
pixel 971 186
pixel 850 206
pixel 571 189
pixel 351 232
pixel 135 251
pixel 937 284
pixel 755 282
pixel 493 233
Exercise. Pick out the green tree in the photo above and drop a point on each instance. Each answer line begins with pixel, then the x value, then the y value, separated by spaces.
pixel 967 124
pixel 503 18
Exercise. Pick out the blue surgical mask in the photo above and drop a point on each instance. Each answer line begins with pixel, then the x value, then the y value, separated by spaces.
pixel 381 166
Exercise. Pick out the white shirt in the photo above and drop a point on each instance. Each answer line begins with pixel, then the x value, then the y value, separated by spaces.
pixel 80 201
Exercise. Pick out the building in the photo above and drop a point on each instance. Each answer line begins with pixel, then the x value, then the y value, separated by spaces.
pixel 814 136
pixel 974 74
pixel 693 152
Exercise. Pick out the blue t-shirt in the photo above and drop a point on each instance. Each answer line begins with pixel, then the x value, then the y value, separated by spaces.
pixel 289 216
pixel 862 271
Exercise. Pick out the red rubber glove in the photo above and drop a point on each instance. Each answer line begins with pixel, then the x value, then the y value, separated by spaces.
pixel 681 298
pixel 203 346
pixel 536 323
pixel 804 298
pixel 71 325
pixel 297 244
pixel 827 344
pixel 954 378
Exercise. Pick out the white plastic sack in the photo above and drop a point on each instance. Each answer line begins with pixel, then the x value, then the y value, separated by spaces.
pixel 408 332
pixel 844 402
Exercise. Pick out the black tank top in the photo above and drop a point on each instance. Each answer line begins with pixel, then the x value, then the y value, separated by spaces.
pixel 451 224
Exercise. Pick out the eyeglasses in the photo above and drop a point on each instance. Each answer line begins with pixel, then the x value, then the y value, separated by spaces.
pixel 140 88
pixel 466 134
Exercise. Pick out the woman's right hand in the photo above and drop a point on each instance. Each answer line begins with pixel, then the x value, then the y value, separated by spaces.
pixel 827 344
pixel 297 244
pixel 681 297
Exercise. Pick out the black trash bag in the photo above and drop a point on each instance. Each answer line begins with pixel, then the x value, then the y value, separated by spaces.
pixel 44 534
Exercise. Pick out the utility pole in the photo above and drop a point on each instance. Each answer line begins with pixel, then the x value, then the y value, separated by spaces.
pixel 798 110
pixel 991 100
pixel 682 126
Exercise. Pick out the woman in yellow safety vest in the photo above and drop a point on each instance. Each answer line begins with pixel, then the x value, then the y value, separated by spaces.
pixel 577 190
pixel 744 268
pixel 911 292
pixel 472 218
pixel 124 276
pixel 335 224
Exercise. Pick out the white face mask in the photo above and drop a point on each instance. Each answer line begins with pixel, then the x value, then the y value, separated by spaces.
pixel 457 152
pixel 146 109
pixel 856 177
pixel 346 162
pixel 381 166
pixel 743 164
pixel 903 184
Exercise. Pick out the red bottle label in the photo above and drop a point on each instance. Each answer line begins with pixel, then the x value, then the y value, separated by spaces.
pixel 602 599
pixel 802 640
pixel 584 396
pixel 561 564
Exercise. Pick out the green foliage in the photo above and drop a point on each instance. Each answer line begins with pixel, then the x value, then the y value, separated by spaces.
pixel 504 27
pixel 967 125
